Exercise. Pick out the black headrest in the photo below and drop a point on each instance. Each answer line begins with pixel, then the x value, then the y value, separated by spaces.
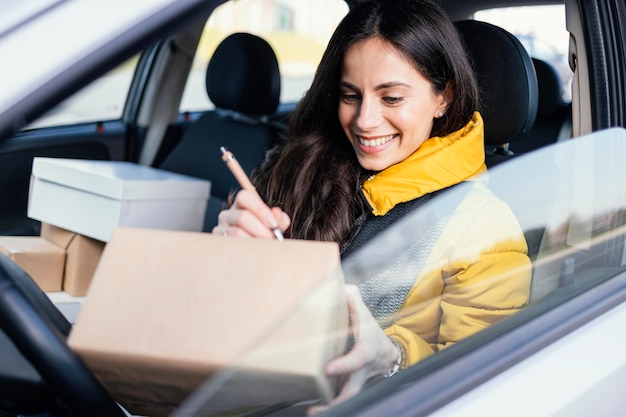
pixel 506 78
pixel 550 89
pixel 243 75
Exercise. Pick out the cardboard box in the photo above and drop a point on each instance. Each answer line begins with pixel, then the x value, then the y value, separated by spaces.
pixel 166 310
pixel 82 255
pixel 42 260
pixel 91 198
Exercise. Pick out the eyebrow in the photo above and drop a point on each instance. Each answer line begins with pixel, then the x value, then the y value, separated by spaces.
pixel 378 87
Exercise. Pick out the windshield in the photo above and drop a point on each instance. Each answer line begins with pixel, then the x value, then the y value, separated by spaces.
pixel 570 204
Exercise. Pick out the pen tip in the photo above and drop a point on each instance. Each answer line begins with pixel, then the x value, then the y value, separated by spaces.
pixel 223 149
pixel 278 234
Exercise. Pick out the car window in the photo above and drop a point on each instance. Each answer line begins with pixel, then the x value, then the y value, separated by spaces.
pixel 102 100
pixel 572 194
pixel 541 29
pixel 297 31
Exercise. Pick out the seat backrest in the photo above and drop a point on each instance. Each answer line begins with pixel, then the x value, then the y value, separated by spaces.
pixel 507 82
pixel 509 104
pixel 553 113
pixel 243 82
pixel 38 370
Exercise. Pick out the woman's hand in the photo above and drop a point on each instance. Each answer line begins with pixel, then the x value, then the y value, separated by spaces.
pixel 373 354
pixel 250 216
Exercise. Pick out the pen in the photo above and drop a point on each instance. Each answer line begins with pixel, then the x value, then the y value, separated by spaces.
pixel 243 180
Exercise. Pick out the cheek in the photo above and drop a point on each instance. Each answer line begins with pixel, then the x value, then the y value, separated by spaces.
pixel 345 114
pixel 417 121
pixel 342 110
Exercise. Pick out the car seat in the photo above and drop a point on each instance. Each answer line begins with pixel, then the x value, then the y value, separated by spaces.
pixel 553 121
pixel 509 99
pixel 243 82
pixel 509 103
pixel 39 373
pixel 507 83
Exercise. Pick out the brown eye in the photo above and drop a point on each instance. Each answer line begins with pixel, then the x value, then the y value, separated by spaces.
pixel 392 100
pixel 349 98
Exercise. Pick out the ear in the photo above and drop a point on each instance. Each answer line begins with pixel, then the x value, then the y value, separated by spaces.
pixel 445 98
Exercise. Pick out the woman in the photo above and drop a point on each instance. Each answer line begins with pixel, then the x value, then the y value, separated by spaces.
pixel 390 119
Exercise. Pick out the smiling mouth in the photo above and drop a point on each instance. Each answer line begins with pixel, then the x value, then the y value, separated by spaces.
pixel 376 142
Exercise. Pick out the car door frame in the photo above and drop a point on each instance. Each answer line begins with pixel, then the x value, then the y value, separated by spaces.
pixel 151 98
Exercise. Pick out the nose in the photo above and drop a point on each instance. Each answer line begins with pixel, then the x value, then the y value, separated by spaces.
pixel 369 115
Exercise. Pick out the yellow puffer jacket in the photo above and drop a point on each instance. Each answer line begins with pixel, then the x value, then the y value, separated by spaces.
pixel 478 271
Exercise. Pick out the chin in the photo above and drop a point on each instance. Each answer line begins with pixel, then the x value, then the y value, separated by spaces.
pixel 375 166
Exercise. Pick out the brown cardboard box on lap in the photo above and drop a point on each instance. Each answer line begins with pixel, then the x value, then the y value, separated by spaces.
pixel 42 260
pixel 82 255
pixel 168 311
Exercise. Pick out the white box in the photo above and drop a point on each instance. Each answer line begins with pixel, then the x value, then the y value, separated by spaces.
pixel 92 198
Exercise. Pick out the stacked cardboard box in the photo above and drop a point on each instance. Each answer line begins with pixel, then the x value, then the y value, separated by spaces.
pixel 82 255
pixel 41 259
pixel 81 202
pixel 57 260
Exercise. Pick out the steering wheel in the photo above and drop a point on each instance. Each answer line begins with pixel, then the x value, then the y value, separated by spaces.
pixel 38 369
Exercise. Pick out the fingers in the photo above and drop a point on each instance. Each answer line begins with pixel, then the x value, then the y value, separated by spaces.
pixel 362 355
pixel 249 216
pixel 354 363
pixel 282 218
pixel 367 335
pixel 372 356
pixel 363 363
pixel 356 307
pixel 353 386
pixel 316 409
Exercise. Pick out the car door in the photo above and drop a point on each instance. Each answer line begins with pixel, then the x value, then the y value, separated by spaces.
pixel 563 356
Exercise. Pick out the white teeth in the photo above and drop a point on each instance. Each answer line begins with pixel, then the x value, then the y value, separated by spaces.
pixel 375 142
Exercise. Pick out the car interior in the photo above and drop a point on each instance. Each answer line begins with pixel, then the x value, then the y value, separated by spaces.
pixel 243 81
pixel 553 122
pixel 522 107
pixel 40 373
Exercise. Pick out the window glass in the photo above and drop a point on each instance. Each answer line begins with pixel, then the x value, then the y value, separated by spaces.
pixel 541 29
pixel 572 195
pixel 297 31
pixel 102 100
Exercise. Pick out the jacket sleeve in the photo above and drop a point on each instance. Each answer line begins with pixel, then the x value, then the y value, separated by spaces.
pixel 483 276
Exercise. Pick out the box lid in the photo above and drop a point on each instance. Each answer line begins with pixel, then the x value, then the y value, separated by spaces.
pixel 120 180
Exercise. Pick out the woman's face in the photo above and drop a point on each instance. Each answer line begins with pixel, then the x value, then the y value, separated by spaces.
pixel 386 106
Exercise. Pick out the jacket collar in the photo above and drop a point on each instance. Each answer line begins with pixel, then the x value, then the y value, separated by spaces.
pixel 439 163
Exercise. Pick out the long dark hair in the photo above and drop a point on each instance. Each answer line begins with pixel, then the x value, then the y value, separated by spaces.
pixel 314 174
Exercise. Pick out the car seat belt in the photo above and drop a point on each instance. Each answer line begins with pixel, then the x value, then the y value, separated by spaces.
pixel 386 272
